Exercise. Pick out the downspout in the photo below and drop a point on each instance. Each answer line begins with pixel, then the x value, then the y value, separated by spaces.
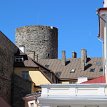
pixel 105 50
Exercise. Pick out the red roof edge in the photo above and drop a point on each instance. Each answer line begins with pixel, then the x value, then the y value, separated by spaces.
pixel 100 79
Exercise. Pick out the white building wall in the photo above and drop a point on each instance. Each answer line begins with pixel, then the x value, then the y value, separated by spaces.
pixel 82 79
pixel 91 105
pixel 74 95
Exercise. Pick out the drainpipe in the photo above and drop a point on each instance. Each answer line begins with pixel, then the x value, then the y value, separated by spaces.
pixel 105 50
pixel 105 41
pixel 102 13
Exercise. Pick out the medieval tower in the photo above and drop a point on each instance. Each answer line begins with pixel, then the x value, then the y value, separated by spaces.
pixel 38 41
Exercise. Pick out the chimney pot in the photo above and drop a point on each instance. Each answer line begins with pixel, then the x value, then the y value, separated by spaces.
pixel 36 57
pixel 74 55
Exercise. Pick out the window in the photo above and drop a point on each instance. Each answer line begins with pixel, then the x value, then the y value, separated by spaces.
pixel 19 59
pixel 58 74
pixel 25 75
pixel 46 66
pixel 72 71
pixel 98 63
pixel 92 70
pixel 101 69
pixel 48 55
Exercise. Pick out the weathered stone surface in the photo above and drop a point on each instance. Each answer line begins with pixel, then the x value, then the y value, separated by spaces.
pixel 40 40
pixel 20 88
pixel 12 88
pixel 7 51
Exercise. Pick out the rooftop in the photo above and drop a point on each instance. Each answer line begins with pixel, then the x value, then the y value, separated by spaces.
pixel 72 70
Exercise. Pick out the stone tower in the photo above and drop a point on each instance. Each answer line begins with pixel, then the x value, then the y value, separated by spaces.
pixel 39 42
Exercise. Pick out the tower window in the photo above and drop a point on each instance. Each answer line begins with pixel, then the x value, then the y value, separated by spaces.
pixel 48 55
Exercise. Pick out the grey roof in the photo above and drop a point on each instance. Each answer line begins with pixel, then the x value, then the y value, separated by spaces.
pixel 55 66
pixel 28 62
pixel 92 68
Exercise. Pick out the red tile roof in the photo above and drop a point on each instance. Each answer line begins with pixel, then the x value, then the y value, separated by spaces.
pixel 100 79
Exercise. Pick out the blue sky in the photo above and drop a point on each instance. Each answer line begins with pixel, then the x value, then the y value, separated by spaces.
pixel 76 20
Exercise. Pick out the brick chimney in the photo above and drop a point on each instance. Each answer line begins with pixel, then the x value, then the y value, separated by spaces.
pixel 83 58
pixel 63 58
pixel 74 55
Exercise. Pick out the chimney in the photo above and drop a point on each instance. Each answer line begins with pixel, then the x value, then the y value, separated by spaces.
pixel 63 58
pixel 83 58
pixel 22 48
pixel 36 57
pixel 74 55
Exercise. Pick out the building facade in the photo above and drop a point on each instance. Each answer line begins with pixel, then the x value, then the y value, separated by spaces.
pixel 29 69
pixel 74 95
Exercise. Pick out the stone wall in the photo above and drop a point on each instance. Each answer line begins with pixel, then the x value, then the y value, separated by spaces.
pixel 20 88
pixel 38 40
pixel 7 51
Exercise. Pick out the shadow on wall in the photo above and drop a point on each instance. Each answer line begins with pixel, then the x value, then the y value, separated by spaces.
pixel 3 103
pixel 20 88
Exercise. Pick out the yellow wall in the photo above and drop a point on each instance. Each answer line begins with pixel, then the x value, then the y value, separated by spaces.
pixel 67 82
pixel 34 75
pixel 106 90
pixel 38 78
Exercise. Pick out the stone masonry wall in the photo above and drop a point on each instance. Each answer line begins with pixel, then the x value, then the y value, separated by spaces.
pixel 20 88
pixel 38 40
pixel 7 51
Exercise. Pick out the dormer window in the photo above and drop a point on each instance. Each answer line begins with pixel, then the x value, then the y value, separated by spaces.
pixel 72 71
pixel 58 74
pixel 92 70
pixel 47 66
pixel 101 69
pixel 19 59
